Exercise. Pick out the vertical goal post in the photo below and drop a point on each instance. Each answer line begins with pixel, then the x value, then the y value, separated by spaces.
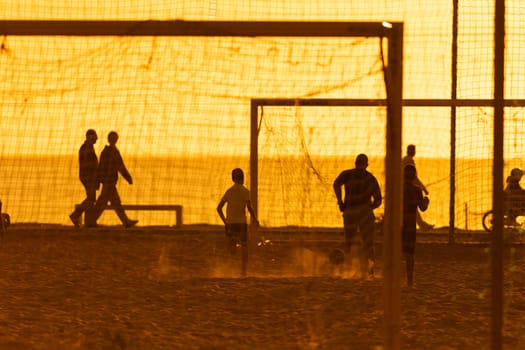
pixel 391 31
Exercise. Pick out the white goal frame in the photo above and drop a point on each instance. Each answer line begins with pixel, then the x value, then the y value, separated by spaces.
pixel 392 31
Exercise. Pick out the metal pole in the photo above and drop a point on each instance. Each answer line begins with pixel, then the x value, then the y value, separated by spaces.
pixel 254 183
pixel 497 185
pixel 254 155
pixel 393 192
pixel 453 97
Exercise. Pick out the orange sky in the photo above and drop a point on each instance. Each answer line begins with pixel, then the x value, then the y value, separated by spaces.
pixel 189 95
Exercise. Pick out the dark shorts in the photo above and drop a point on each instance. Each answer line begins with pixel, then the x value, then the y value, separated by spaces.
pixel 359 226
pixel 409 241
pixel 237 232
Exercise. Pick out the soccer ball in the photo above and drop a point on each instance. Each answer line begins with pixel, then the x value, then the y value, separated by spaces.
pixel 337 256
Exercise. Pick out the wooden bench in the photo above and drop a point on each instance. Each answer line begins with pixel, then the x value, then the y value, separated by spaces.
pixel 158 207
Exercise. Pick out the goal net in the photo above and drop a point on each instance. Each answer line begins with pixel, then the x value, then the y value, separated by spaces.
pixel 181 106
pixel 302 149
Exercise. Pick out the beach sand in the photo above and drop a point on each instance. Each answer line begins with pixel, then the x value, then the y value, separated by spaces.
pixel 149 288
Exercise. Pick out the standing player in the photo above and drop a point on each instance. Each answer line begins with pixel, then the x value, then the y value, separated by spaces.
pixel 362 196
pixel 237 198
pixel 88 162
pixel 412 201
pixel 408 159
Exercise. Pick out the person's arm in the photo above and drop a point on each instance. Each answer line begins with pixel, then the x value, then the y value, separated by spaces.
pixel 128 178
pixel 100 172
pixel 125 174
pixel 420 184
pixel 377 198
pixel 123 170
pixel 219 210
pixel 338 193
pixel 252 212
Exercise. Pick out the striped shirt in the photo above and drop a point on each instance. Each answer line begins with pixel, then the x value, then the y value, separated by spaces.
pixel 361 188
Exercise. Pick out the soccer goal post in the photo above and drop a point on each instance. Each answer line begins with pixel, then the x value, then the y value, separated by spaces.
pixel 77 68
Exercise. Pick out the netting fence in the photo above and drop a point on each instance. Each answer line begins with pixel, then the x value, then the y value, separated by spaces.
pixel 182 105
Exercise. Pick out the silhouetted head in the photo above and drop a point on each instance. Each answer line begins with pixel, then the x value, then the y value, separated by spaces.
pixel 91 135
pixel 410 172
pixel 112 138
pixel 361 161
pixel 238 176
pixel 411 150
pixel 515 175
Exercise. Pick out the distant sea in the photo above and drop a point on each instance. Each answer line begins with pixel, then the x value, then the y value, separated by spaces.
pixel 293 191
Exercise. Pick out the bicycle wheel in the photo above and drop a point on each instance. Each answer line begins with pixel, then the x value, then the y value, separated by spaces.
pixel 487 221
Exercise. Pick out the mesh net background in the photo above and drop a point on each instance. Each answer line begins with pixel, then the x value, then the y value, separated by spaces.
pixel 181 106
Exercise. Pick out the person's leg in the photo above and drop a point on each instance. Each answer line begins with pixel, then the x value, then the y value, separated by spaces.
pixel 114 199
pixel 410 269
pixel 368 234
pixel 76 214
pixel 353 239
pixel 100 204
pixel 237 233
pixel 409 245
pixel 423 225
pixel 231 240
pixel 243 238
pixel 87 203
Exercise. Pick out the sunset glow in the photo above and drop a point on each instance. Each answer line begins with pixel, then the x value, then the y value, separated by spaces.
pixel 241 174
pixel 186 100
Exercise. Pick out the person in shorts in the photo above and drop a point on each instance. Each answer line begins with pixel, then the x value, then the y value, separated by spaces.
pixel 413 200
pixel 237 199
pixel 362 196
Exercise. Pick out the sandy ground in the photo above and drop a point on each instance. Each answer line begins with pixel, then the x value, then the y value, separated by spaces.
pixel 110 288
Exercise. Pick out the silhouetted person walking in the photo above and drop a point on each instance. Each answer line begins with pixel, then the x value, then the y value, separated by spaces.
pixel 111 164
pixel 88 163
pixel 362 196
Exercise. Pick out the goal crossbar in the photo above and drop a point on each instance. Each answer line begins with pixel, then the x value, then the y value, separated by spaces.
pixel 363 102
pixel 197 28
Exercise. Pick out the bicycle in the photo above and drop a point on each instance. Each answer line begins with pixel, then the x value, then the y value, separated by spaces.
pixel 511 211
